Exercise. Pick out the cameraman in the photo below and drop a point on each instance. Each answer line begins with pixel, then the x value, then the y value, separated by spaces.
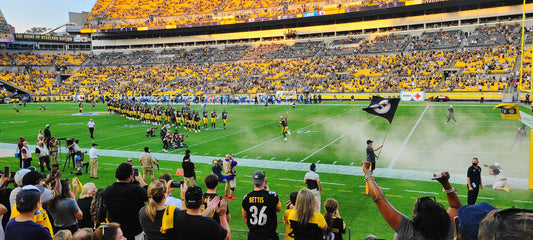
pixel 500 180
pixel 44 156
pixel 75 149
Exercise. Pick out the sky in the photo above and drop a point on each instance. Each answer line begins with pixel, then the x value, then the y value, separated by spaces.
pixel 25 14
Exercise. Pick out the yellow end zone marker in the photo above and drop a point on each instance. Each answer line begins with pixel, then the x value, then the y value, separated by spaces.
pixel 396 196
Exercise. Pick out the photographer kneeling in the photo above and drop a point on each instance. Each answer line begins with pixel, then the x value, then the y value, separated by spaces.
pixel 500 180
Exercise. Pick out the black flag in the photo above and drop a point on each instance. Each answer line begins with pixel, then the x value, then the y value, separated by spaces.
pixel 383 107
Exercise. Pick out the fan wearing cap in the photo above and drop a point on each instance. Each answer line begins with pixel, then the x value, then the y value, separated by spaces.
pixel 33 178
pixel 22 226
pixel 370 155
pixel 192 225
pixel 260 208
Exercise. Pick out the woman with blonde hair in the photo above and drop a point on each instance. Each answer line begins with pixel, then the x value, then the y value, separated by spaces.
pixel 63 235
pixel 336 226
pixel 305 220
pixel 84 203
pixel 153 215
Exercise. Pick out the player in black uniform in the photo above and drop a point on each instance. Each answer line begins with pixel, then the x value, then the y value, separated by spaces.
pixel 259 209
pixel 213 119
pixel 196 121
pixel 178 117
pixel 224 118
pixel 204 116
pixel 80 105
pixel 283 123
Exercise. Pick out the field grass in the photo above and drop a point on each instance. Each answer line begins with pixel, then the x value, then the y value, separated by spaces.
pixel 417 142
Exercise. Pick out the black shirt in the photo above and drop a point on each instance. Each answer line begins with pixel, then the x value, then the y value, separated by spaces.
pixel 85 206
pixel 188 169
pixel 207 198
pixel 123 202
pixel 198 227
pixel 475 176
pixel 261 209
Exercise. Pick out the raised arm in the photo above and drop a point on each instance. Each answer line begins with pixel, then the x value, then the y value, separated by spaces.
pixel 451 193
pixel 389 213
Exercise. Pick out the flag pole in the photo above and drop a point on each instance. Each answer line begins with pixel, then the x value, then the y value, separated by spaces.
pixel 384 138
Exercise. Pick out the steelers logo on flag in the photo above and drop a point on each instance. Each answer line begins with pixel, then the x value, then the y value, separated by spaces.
pixel 508 110
pixel 382 107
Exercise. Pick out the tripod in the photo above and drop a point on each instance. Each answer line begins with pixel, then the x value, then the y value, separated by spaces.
pixel 71 156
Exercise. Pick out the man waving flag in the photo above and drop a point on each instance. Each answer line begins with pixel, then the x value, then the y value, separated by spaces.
pixel 383 107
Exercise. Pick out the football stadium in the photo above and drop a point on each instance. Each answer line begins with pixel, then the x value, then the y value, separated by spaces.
pixel 309 119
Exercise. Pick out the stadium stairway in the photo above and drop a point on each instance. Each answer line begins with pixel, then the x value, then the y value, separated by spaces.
pixel 8 149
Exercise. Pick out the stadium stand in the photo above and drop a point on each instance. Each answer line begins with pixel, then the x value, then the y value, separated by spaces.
pixel 107 14
pixel 387 63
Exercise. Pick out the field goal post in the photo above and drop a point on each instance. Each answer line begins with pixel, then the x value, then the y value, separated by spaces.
pixel 530 178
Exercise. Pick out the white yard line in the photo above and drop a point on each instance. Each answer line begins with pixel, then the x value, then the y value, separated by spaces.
pixel 397 156
pixel 414 191
pixel 336 139
pixel 310 125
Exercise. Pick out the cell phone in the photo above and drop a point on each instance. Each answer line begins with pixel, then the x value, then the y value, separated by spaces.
pixel 176 184
pixel 54 172
pixel 12 175
pixel 135 172
pixel 6 171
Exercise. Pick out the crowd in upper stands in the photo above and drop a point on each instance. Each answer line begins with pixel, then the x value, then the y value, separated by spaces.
pixel 483 60
pixel 108 14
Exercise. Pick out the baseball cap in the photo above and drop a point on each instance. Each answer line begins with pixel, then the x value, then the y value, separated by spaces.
pixel 28 194
pixel 22 138
pixel 369 141
pixel 496 164
pixel 19 175
pixel 47 125
pixel 193 197
pixel 130 160
pixel 258 177
pixel 470 216
pixel 94 144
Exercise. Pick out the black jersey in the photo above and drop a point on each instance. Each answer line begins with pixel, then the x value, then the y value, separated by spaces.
pixel 204 114
pixel 283 123
pixel 197 117
pixel 214 215
pixel 213 114
pixel 261 208
pixel 224 115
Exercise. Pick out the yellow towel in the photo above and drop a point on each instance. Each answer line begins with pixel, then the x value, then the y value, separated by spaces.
pixel 168 219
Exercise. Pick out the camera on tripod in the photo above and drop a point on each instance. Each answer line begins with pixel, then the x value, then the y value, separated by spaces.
pixel 70 141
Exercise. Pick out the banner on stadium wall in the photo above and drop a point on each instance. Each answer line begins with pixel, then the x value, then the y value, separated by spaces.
pixel 285 93
pixel 413 96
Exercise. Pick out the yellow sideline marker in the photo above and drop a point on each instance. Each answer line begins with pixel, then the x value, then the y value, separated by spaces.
pixel 530 179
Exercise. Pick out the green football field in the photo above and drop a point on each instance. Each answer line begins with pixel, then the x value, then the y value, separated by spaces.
pixel 333 135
